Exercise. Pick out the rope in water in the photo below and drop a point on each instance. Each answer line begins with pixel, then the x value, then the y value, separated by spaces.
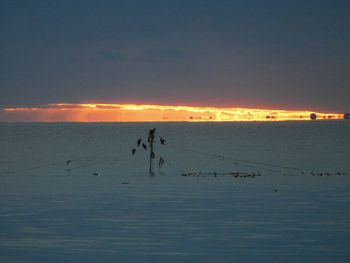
pixel 173 166
pixel 34 168
pixel 91 161
pixel 252 164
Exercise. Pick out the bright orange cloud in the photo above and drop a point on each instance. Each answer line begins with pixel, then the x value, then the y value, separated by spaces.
pixel 65 112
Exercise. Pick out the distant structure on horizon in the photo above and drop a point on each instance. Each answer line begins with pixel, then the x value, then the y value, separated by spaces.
pixel 313 116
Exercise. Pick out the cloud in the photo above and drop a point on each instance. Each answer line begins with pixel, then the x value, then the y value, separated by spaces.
pixel 159 55
pixel 112 56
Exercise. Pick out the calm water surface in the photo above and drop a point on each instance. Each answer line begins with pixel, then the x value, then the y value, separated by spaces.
pixel 48 214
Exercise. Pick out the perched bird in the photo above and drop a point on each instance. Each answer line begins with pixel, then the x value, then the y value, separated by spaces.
pixel 144 146
pixel 138 142
pixel 162 140
pixel 133 151
pixel 151 135
pixel 152 131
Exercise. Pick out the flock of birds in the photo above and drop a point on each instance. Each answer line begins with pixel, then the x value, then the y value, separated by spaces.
pixel 318 174
pixel 253 175
pixel 144 146
pixel 215 174
pixel 236 174
pixel 233 174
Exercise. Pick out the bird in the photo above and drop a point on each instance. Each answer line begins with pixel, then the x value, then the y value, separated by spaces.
pixel 162 140
pixel 144 146
pixel 68 162
pixel 151 135
pixel 138 142
pixel 133 151
pixel 152 131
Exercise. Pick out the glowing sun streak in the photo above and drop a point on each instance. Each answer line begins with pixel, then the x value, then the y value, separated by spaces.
pixel 136 113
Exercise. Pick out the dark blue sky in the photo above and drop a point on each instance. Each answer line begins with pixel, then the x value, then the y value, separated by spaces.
pixel 280 54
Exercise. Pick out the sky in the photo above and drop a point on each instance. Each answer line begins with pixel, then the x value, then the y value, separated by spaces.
pixel 264 54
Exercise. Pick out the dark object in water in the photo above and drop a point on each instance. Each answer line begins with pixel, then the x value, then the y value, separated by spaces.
pixel 144 146
pixel 313 116
pixel 133 151
pixel 151 135
pixel 96 174
pixel 162 140
pixel 138 142
pixel 153 155
pixel 161 162
pixel 275 190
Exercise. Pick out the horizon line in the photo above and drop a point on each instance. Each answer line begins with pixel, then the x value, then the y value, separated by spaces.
pixel 112 112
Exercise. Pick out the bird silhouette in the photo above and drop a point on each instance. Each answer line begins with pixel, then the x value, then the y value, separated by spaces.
pixel 138 142
pixel 133 151
pixel 151 135
pixel 144 146
pixel 162 140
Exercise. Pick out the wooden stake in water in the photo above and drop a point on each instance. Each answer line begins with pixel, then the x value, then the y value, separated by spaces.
pixel 151 135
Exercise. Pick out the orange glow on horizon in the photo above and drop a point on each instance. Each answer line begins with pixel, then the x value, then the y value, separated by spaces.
pixel 66 112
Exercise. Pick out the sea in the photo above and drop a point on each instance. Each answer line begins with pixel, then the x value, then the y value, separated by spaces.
pixel 218 192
